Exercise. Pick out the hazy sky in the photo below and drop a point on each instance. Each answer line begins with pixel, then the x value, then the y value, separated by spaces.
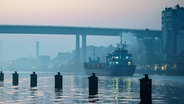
pixel 136 14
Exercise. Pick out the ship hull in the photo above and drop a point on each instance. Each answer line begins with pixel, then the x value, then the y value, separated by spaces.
pixel 113 70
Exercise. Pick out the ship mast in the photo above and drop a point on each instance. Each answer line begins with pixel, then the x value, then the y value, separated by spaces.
pixel 121 36
pixel 121 44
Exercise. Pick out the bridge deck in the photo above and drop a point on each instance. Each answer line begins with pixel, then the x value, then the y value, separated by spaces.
pixel 26 29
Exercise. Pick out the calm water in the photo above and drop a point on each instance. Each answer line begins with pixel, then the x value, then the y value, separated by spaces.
pixel 114 90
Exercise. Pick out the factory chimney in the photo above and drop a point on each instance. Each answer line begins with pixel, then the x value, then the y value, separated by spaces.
pixel 37 54
pixel 37 50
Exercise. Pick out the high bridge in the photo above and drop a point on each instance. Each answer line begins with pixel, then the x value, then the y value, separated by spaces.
pixel 78 31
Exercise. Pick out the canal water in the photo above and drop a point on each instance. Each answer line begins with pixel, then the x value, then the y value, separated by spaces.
pixel 112 90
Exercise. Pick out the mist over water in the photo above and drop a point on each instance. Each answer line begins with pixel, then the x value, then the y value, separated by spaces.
pixel 135 46
pixel 24 45
pixel 133 43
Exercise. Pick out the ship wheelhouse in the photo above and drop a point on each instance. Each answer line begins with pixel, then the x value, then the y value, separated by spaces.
pixel 120 56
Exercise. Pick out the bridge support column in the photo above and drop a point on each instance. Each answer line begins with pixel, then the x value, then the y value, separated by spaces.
pixel 83 48
pixel 77 47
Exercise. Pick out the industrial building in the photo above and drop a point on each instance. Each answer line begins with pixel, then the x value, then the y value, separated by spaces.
pixel 173 32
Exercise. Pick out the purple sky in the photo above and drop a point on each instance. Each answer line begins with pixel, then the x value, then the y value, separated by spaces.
pixel 134 14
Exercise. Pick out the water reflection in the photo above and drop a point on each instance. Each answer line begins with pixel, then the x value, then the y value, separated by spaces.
pixel 118 90
pixel 121 88
pixel 14 92
pixel 58 96
pixel 115 88
pixel 1 84
pixel 33 93
pixel 168 92
pixel 93 98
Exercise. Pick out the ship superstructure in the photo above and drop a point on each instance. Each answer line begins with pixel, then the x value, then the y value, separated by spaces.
pixel 118 63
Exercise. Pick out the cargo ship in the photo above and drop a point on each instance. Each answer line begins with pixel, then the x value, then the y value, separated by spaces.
pixel 118 63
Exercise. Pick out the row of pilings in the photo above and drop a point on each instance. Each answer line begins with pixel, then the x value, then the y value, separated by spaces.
pixel 145 84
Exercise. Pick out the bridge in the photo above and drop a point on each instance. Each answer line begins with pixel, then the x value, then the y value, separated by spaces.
pixel 83 31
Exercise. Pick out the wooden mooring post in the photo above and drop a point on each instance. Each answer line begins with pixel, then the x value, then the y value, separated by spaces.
pixel 58 81
pixel 1 76
pixel 93 84
pixel 145 90
pixel 15 80
pixel 33 80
